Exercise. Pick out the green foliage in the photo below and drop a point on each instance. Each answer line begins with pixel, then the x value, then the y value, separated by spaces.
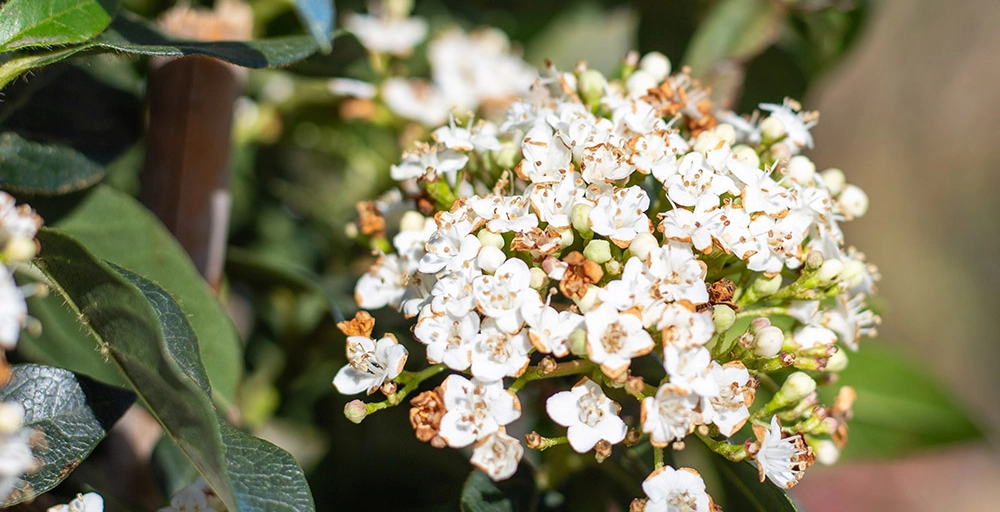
pixel 73 413
pixel 517 494
pixel 145 333
pixel 28 23
pixel 734 30
pixel 44 169
pixel 742 490
pixel 901 407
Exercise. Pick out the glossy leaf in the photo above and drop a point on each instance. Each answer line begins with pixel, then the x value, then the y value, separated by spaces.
pixel 44 169
pixel 742 490
pixel 318 17
pixel 26 23
pixel 516 494
pixel 104 219
pixel 900 407
pixel 130 35
pixel 734 30
pixel 147 336
pixel 73 413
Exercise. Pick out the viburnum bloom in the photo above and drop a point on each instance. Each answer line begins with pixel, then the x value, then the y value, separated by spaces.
pixel 614 338
pixel 196 497
pixel 16 458
pixel 670 415
pixel 781 459
pixel 497 455
pixel 475 409
pixel 387 34
pixel 449 338
pixel 370 364
pixel 500 296
pixel 13 310
pixel 93 502
pixel 588 415
pixel 621 216
pixel 497 353
pixel 736 393
pixel 676 490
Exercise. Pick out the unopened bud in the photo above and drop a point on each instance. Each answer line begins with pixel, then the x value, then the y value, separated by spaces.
pixel 598 251
pixel 829 271
pixel 768 341
pixel 801 169
pixel 592 85
pixel 656 64
pixel 834 180
pixel 837 362
pixel 589 298
pixel 580 217
pixel 412 221
pixel 613 267
pixel 853 202
pixel 538 279
pixel 814 259
pixel 759 323
pixel 826 451
pixel 642 245
pixel 635 385
pixel 724 317
pixel 355 411
pixel 766 286
pixel 780 151
pixel 796 387
pixel 508 156
pixel 726 132
pixel 706 141
pixel 566 237
pixel 853 273
pixel 640 82
pixel 747 155
pixel 578 342
pixel 490 239
pixel 772 129
pixel 11 418
pixel 490 258
pixel 20 248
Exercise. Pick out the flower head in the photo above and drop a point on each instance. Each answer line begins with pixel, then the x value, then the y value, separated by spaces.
pixel 589 415
pixel 781 459
pixel 370 364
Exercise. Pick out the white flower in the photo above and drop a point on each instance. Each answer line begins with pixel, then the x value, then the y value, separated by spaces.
pixel 698 227
pixel 850 320
pixel 15 447
pixel 684 327
pixel 634 289
pixel 605 162
pixel 475 409
pixel 370 364
pixel 449 338
pixel 433 160
pixel 497 353
pixel 696 178
pixel 588 415
pixel 452 293
pixel 497 455
pixel 504 213
pixel 797 124
pixel 546 157
pixel 622 215
pixel 384 34
pixel 196 497
pixel 677 274
pixel 736 394
pixel 783 460
pixel 418 100
pixel 90 502
pixel 670 415
pixel 689 368
pixel 501 295
pixel 549 330
pixel 614 338
pixel 554 202
pixel 480 136
pixel 450 248
pixel 13 310
pixel 17 222
pixel 676 490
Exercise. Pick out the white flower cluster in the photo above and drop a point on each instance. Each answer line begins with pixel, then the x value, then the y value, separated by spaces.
pixel 90 502
pixel 196 497
pixel 18 226
pixel 16 441
pixel 605 221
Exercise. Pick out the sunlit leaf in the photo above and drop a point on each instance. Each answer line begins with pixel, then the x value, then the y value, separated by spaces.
pixel 25 23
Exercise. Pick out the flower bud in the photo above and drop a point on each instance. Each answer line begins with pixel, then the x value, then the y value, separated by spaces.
pixel 490 258
pixel 853 201
pixel 580 217
pixel 834 180
pixel 412 221
pixel 723 317
pixel 726 132
pixel 598 251
pixel 578 343
pixel 814 260
pixel 801 169
pixel 853 273
pixel 642 245
pixel 508 156
pixel 706 141
pixel 837 362
pixel 766 286
pixel 592 84
pixel 768 341
pixel 656 64
pixel 11 417
pixel 490 239
pixel 747 155
pixel 780 151
pixel 566 237
pixel 826 451
pixel 538 278
pixel 589 299
pixel 613 267
pixel 20 248
pixel 829 271
pixel 772 129
pixel 355 411
pixel 796 387
pixel 640 82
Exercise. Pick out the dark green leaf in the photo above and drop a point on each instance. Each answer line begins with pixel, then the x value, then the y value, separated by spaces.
pixel 318 16
pixel 133 36
pixel 25 23
pixel 516 494
pixel 734 30
pixel 146 334
pixel 900 407
pixel 105 219
pixel 74 414
pixel 742 490
pixel 45 169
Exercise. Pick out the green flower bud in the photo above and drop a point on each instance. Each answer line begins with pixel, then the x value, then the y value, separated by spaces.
pixel 538 278
pixel 412 221
pixel 566 237
pixel 598 251
pixel 726 132
pixel 508 156
pixel 801 169
pixel 656 64
pixel 578 343
pixel 837 362
pixel 796 387
pixel 490 239
pixel 592 84
pixel 355 411
pixel 747 155
pixel 768 341
pixel 814 260
pixel 724 318
pixel 834 180
pixel 829 271
pixel 766 286
pixel 772 129
pixel 642 245
pixel 580 217
pixel 589 299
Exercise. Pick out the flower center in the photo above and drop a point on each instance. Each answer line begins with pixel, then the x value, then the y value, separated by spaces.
pixel 591 411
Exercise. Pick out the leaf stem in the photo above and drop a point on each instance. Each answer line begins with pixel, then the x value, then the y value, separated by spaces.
pixel 562 369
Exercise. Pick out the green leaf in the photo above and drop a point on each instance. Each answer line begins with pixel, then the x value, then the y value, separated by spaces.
pixel 734 30
pixel 517 493
pixel 146 334
pixel 130 35
pixel 318 17
pixel 900 406
pixel 118 229
pixel 44 169
pixel 13 67
pixel 742 490
pixel 25 23
pixel 73 413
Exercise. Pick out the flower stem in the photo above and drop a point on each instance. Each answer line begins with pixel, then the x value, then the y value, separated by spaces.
pixel 733 452
pixel 657 458
pixel 562 369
